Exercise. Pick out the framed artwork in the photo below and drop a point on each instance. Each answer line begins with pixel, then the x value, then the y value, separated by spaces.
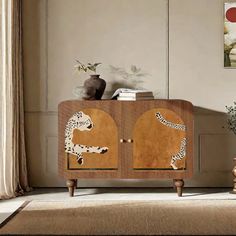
pixel 230 35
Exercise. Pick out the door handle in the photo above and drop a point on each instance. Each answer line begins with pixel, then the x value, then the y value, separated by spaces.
pixel 122 140
pixel 130 140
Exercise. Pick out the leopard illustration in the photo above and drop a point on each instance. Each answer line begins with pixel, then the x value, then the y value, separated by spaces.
pixel 182 152
pixel 82 122
pixel 180 155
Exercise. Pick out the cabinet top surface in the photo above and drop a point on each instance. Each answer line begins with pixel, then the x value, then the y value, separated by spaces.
pixel 105 101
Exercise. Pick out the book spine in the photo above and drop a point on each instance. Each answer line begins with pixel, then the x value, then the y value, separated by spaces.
pixel 134 99
pixel 126 99
pixel 135 95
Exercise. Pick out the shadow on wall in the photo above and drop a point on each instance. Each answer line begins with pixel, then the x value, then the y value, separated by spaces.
pixel 214 149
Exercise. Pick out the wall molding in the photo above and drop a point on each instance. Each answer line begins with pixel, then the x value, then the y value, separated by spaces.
pixel 46 53
pixel 55 113
pixel 203 170
pixel 168 50
pixel 46 157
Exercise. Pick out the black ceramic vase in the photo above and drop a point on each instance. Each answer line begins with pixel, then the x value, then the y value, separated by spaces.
pixel 94 88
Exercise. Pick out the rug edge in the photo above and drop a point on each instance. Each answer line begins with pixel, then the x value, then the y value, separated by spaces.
pixel 18 210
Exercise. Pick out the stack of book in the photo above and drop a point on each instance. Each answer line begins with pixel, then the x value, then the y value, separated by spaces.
pixel 134 95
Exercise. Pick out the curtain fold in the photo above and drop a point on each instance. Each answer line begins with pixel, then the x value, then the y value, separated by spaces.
pixel 13 166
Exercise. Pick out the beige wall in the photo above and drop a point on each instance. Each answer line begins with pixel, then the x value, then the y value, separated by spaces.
pixel 122 33
pixel 196 55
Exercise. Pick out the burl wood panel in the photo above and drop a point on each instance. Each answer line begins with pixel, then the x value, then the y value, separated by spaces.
pixel 66 109
pixel 154 143
pixel 132 112
pixel 103 134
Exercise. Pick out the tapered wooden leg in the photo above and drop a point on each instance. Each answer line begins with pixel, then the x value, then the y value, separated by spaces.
pixel 76 181
pixel 179 184
pixel 174 187
pixel 71 186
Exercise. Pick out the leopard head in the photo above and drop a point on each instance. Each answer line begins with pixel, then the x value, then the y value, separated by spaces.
pixel 82 121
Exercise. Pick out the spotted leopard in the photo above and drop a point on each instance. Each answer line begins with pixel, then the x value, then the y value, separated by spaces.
pixel 182 152
pixel 82 122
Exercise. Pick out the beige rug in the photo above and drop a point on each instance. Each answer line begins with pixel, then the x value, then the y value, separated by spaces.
pixel 196 217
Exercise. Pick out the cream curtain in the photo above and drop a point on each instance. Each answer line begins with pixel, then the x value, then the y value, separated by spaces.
pixel 13 169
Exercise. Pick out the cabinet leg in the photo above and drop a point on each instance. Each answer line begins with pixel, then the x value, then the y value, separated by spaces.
pixel 174 187
pixel 179 184
pixel 76 181
pixel 71 186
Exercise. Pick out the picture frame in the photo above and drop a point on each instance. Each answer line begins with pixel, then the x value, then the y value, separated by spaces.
pixel 230 34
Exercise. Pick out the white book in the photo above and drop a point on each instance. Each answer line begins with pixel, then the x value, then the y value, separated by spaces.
pixel 126 90
pixel 120 98
pixel 138 94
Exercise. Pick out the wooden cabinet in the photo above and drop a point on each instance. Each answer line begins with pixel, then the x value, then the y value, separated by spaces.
pixel 126 140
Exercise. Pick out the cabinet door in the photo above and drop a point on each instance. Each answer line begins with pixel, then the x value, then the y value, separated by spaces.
pixel 159 136
pixel 159 141
pixel 91 141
